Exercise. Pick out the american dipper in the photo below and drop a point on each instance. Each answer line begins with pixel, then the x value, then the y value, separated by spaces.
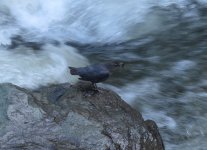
pixel 95 73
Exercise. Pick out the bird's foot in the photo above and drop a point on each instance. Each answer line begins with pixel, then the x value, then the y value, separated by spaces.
pixel 91 92
pixel 94 87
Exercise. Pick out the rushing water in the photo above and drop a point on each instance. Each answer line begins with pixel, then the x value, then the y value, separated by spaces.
pixel 162 42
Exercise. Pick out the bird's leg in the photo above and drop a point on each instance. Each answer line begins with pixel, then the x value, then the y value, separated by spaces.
pixel 94 86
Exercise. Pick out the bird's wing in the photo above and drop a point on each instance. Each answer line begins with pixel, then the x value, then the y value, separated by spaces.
pixel 94 72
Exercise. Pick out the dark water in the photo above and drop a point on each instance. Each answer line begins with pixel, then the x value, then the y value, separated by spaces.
pixel 165 56
pixel 165 76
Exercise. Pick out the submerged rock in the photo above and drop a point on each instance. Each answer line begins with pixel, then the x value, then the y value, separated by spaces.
pixel 65 117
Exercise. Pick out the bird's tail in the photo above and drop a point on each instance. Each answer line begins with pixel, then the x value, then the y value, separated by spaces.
pixel 73 70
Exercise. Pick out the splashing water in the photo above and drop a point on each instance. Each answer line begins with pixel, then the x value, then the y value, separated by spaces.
pixel 31 69
pixel 84 21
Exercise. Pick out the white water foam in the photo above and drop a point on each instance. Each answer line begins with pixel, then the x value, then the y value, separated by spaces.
pixel 6 33
pixel 161 118
pixel 86 21
pixel 136 89
pixel 31 69
pixel 182 66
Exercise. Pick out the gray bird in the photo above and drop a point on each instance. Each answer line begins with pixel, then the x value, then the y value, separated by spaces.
pixel 95 73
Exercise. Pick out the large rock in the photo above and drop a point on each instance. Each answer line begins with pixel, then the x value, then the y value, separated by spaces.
pixel 65 117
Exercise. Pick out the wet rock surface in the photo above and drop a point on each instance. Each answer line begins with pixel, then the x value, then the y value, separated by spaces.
pixel 65 117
